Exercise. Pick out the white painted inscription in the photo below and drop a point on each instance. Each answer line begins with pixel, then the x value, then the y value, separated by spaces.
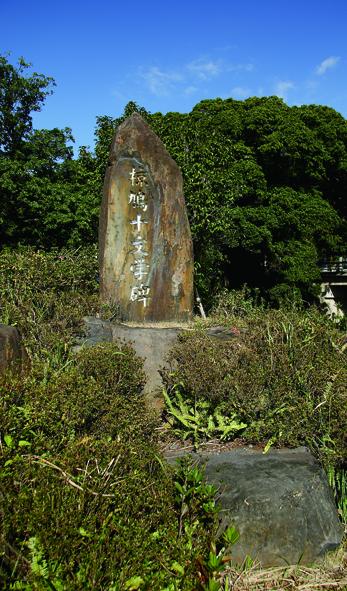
pixel 139 244
pixel 140 293
pixel 139 267
pixel 138 200
pixel 138 222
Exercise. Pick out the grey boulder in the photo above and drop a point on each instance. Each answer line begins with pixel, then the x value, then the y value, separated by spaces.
pixel 280 503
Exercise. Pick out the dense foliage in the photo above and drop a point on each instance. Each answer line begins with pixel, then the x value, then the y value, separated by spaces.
pixel 265 184
pixel 46 295
pixel 282 376
pixel 47 198
pixel 86 502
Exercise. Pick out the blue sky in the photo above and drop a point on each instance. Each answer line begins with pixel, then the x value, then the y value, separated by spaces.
pixel 167 56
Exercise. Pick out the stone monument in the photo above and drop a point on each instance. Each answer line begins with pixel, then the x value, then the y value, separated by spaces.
pixel 145 246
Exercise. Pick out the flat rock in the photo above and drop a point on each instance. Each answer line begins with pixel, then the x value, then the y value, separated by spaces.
pixel 145 246
pixel 280 502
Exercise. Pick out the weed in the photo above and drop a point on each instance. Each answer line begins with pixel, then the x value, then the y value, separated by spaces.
pixel 197 420
pixel 338 481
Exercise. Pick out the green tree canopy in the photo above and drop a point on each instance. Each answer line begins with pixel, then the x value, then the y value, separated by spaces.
pixel 20 95
pixel 47 197
pixel 265 184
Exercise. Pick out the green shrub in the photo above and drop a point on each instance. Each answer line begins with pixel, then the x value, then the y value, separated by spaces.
pixel 237 303
pixel 98 393
pixel 87 502
pixel 46 294
pixel 102 511
pixel 285 376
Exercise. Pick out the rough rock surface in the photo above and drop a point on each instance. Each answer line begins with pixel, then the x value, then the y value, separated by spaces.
pixel 96 331
pixel 145 246
pixel 150 342
pixel 12 352
pixel 280 503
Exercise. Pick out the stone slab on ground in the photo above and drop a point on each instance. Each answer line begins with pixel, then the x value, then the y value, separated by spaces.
pixel 280 502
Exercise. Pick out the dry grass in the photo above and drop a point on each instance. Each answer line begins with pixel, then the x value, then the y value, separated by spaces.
pixel 331 575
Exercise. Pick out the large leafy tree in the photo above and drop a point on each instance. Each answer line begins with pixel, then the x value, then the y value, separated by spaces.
pixel 21 93
pixel 47 198
pixel 265 186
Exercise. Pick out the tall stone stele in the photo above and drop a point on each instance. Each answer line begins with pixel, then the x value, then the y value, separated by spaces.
pixel 145 246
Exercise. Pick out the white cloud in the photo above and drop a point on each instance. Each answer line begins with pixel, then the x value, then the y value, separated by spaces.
pixel 204 69
pixel 161 82
pixel 282 88
pixel 190 90
pixel 158 81
pixel 243 67
pixel 311 84
pixel 327 64
pixel 189 77
pixel 239 92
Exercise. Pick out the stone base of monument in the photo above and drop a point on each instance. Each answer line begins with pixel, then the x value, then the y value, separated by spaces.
pixel 280 503
pixel 151 342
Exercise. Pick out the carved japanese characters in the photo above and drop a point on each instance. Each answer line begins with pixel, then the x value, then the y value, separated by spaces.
pixel 146 258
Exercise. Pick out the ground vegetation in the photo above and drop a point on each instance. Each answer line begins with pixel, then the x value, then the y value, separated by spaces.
pixel 87 500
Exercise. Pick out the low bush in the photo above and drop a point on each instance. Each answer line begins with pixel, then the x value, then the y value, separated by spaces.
pixel 284 374
pixel 98 393
pixel 46 294
pixel 86 501
pixel 99 514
